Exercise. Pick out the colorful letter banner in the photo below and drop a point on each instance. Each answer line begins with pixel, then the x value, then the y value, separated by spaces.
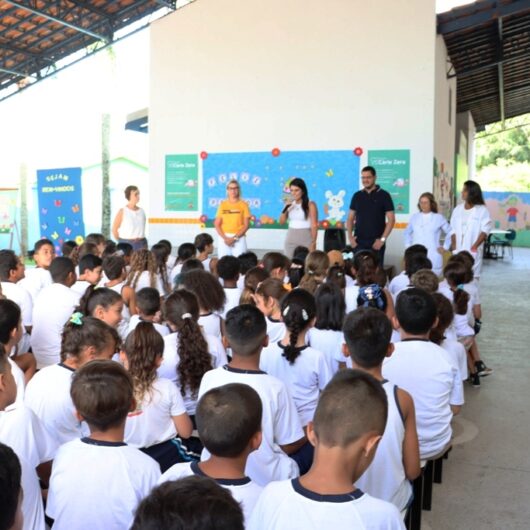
pixel 60 205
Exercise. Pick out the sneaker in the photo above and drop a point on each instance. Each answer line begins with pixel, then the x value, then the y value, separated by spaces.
pixel 474 379
pixel 482 369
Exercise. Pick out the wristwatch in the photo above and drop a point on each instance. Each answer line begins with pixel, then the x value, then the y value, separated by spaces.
pixel 236 238
pixel 382 239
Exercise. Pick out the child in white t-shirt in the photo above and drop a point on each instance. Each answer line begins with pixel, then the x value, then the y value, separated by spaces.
pixel 204 244
pixel 185 252
pixel 148 305
pixel 367 332
pixel 106 305
pixel 303 369
pixel 326 335
pixel 421 368
pixel 159 413
pixel 402 281
pixel 53 307
pixel 114 269
pixel 48 392
pixel 349 423
pixel 114 477
pixel 39 277
pixel 143 272
pixel 90 270
pixel 228 273
pixel 281 429
pixel 229 424
pixel 267 297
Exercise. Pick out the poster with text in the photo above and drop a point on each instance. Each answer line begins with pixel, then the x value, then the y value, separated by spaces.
pixel 331 178
pixel 60 205
pixel 393 175
pixel 182 183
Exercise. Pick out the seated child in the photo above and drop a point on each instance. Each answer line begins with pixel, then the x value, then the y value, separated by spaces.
pixel 184 253
pixel 229 424
pixel 149 307
pixel 191 503
pixel 114 476
pixel 228 272
pixel 52 308
pixel 303 369
pixel 247 261
pixel 421 368
pixel 253 278
pixel 204 246
pixel 171 260
pixel 90 269
pixel 276 264
pixel 349 423
pixel 161 254
pixel 114 269
pixel 144 272
pixel 282 433
pixel 38 277
pixel 367 334
pixel 11 494
pixel 48 393
pixel 401 281
pixel 67 248
pixel 315 268
pixel 104 304
pixel 425 279
pixel 267 298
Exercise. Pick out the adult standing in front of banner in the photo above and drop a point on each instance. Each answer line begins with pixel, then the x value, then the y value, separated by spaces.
pixel 471 224
pixel 232 222
pixel 129 223
pixel 302 215
pixel 371 216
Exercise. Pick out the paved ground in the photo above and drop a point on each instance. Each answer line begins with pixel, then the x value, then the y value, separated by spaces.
pixel 487 477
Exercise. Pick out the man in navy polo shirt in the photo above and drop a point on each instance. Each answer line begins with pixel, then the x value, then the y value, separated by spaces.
pixel 371 215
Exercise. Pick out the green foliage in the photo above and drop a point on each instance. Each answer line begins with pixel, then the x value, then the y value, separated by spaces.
pixel 505 177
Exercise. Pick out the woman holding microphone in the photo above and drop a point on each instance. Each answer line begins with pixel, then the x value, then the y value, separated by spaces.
pixel 302 215
pixel 426 228
pixel 232 222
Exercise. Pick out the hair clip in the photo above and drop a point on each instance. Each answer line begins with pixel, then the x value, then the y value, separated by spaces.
pixel 347 255
pixel 305 316
pixel 296 266
pixel 285 311
pixel 460 286
pixel 76 318
pixel 310 273
pixel 339 274
pixel 185 316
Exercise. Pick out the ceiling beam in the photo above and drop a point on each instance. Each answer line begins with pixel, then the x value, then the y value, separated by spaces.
pixel 500 72
pixel 61 21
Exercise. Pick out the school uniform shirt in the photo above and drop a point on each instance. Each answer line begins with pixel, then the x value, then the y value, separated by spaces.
pixel 329 342
pixel 51 311
pixel 211 324
pixel 399 283
pixel 457 354
pixel 276 329
pixel 287 505
pixel 233 294
pixel 305 378
pixel 18 376
pixel 18 294
pixel 136 319
pixel 460 322
pixel 98 485
pixel 80 286
pixel 280 423
pixel 48 396
pixel 244 490
pixel 144 280
pixel 125 313
pixel 171 360
pixel 21 430
pixel 34 280
pixel 421 368
pixel 152 421
pixel 350 297
pixel 388 460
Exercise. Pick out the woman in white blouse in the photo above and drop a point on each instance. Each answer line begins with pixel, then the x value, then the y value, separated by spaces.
pixel 302 215
pixel 129 223
pixel 426 228
pixel 471 224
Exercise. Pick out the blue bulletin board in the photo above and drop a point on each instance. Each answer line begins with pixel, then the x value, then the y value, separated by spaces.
pixel 331 178
pixel 60 205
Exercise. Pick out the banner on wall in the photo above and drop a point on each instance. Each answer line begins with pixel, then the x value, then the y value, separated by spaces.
pixel 393 175
pixel 60 205
pixel 331 178
pixel 182 183
pixel 8 209
pixel 510 211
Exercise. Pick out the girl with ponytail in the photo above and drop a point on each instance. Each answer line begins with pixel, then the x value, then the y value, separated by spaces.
pixel 302 368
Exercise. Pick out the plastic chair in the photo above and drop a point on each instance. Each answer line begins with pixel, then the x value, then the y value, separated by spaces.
pixel 505 243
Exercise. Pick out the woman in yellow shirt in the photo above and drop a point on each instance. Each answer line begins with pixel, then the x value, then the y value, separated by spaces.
pixel 231 223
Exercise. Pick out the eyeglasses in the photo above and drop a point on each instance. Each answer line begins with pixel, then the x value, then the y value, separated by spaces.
pixel 233 187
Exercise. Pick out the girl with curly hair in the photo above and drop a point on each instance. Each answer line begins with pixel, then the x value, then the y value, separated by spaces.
pixel 143 272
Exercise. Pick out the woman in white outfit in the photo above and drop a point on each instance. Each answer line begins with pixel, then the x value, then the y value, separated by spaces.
pixel 471 224
pixel 426 228
pixel 302 215
pixel 129 223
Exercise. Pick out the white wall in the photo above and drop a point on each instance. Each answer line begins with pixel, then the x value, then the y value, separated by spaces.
pixel 245 75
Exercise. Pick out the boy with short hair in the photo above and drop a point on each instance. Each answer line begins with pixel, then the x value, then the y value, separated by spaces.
pixel 401 281
pixel 191 503
pixel 367 332
pixel 348 424
pixel 90 270
pixel 228 271
pixel 148 306
pixel 282 433
pixel 423 369
pixel 229 424
pixel 39 277
pixel 51 310
pixel 204 244
pixel 98 481
pixel 11 517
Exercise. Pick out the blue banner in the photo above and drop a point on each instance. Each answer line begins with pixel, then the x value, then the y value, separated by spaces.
pixel 60 205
